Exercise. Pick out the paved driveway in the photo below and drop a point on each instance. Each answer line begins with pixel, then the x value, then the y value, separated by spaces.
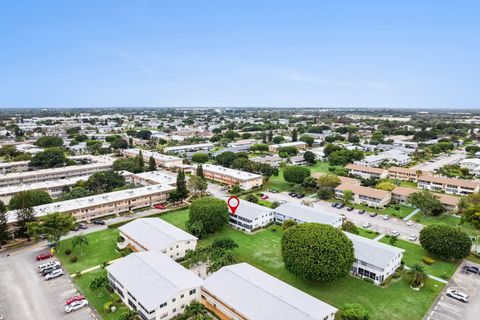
pixel 446 308
pixel 24 294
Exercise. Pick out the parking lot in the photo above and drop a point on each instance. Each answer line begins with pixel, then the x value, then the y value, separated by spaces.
pixel 446 308
pixel 26 295
pixel 443 160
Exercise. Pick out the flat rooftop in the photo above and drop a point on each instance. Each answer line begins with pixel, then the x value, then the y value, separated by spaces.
pixel 237 174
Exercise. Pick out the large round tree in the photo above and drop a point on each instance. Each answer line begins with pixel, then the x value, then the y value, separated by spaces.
pixel 445 241
pixel 316 251
pixel 207 215
pixel 295 174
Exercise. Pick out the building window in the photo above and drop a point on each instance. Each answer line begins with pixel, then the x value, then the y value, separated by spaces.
pixel 173 300
pixel 181 297
pixel 163 305
pixel 193 291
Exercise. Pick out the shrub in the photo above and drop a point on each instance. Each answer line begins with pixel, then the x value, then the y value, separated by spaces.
pixel 73 259
pixel 397 208
pixel 274 229
pixel 444 276
pixel 354 311
pixel 444 241
pixel 107 307
pixel 68 252
pixel 428 260
pixel 288 223
pixel 315 251
pixel 369 280
pixel 120 239
pixel 116 298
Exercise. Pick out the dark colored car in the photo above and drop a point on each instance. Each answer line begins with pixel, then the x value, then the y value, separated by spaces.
pixel 300 195
pixel 341 206
pixel 373 214
pixel 99 222
pixel 293 194
pixel 471 269
pixel 350 209
pixel 43 256
pixel 361 211
pixel 334 205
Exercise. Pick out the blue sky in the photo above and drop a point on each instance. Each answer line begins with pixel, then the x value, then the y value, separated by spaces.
pixel 80 53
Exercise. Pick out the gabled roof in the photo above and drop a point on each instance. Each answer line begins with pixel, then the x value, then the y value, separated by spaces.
pixel 152 277
pixel 365 168
pixel 307 214
pixel 258 296
pixel 365 191
pixel 154 233
pixel 251 210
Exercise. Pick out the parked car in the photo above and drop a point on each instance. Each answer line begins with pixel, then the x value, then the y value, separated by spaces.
pixel 50 269
pixel 273 190
pixel 410 223
pixel 373 214
pixel 395 233
pixel 264 197
pixel 99 222
pixel 413 237
pixel 361 211
pixel 46 265
pixel 334 205
pixel 367 225
pixel 76 305
pixel 82 226
pixel 75 227
pixel 54 274
pixel 458 295
pixel 385 217
pixel 159 206
pixel 341 206
pixel 300 195
pixel 471 269
pixel 292 194
pixel 73 299
pixel 350 209
pixel 43 256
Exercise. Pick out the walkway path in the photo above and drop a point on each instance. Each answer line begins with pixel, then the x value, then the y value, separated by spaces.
pixel 414 212
pixel 379 237
pixel 432 277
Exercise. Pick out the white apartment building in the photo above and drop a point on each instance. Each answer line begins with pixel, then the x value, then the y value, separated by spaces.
pixel 250 217
pixel 448 185
pixel 189 148
pixel 373 259
pixel 296 144
pixel 472 164
pixel 245 180
pixel 241 292
pixel 97 206
pixel 154 285
pixel 154 234
pixel 12 179
pixel 364 195
pixel 162 160
pixel 13 167
pixel 150 178
pixel 273 160
pixel 366 172
pixel 301 214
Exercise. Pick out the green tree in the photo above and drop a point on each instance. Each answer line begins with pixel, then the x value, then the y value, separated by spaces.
pixel 310 183
pixel 4 232
pixel 354 311
pixel 217 255
pixel 199 171
pixel 98 284
pixel 197 185
pixel 385 185
pixel 393 240
pixel 309 140
pixel 200 157
pixel 347 197
pixel 120 144
pixel 24 216
pixel 152 165
pixel 288 223
pixel 317 252
pixel 144 134
pixel 295 174
pixel 446 242
pixel 129 314
pixel 209 214
pixel 428 202
pixel 349 226
pixel 309 157
pixel 127 164
pixel 50 158
pixel 294 135
pixel 251 198
pixel 80 241
pixel 29 198
pixel 260 147
pixel 75 193
pixel 140 160
pixel 278 139
pixel 417 275
pixel 104 181
pixel 326 185
pixel 53 226
pixel 49 142
pixel 288 151
pixel 182 191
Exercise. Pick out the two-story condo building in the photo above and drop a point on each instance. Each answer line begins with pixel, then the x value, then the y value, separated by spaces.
pixel 401 194
pixel 366 172
pixel 364 195
pixel 161 160
pixel 154 234
pixel 189 148
pixel 296 144
pixel 448 185
pixel 250 216
pixel 154 285
pixel 301 214
pixel 244 179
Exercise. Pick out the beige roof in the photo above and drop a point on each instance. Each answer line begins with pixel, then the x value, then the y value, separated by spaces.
pixel 317 175
pixel 444 198
pixel 365 168
pixel 403 170
pixel 365 191
pixel 451 181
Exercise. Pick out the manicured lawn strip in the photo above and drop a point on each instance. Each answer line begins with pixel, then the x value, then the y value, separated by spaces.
pixel 447 219
pixel 83 284
pixel 262 249
pixel 102 247
pixel 367 233
pixel 408 184
pixel 321 167
pixel 277 182
pixel 414 254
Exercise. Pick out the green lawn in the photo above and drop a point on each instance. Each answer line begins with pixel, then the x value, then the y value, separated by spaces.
pixel 83 285
pixel 408 184
pixel 447 219
pixel 262 249
pixel 414 253
pixel 277 182
pixel 367 233
pixel 101 248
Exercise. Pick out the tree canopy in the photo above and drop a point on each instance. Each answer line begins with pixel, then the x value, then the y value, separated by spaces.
pixel 207 215
pixel 53 226
pixel 49 142
pixel 445 241
pixel 50 158
pixel 29 198
pixel 295 174
pixel 428 202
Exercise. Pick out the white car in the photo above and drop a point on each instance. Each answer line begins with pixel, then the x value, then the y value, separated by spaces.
pixel 395 233
pixel 410 223
pixel 386 217
pixel 413 237
pixel 76 305
pixel 367 225
pixel 47 265
pixel 455 294
pixel 54 274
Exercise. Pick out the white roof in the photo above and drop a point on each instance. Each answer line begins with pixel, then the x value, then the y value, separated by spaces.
pixel 44 185
pixel 474 161
pixel 307 214
pixel 373 252
pixel 154 233
pixel 86 202
pixel 258 296
pixel 237 174
pixel 156 155
pixel 157 177
pixel 289 144
pixel 152 277
pixel 251 210
pixel 190 146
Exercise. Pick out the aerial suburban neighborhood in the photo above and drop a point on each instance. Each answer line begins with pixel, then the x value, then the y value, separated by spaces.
pixel 239 160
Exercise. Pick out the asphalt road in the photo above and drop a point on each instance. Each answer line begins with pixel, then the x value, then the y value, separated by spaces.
pixel 24 294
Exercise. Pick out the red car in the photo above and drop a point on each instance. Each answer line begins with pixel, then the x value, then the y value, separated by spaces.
pixel 70 300
pixel 264 197
pixel 159 206
pixel 43 256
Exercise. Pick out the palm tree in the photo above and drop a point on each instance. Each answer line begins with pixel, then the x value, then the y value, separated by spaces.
pixel 418 275
pixel 98 284
pixel 80 241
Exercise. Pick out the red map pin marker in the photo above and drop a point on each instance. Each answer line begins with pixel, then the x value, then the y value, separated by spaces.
pixel 233 202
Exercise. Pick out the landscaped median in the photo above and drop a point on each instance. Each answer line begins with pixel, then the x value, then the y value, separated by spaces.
pixel 396 301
